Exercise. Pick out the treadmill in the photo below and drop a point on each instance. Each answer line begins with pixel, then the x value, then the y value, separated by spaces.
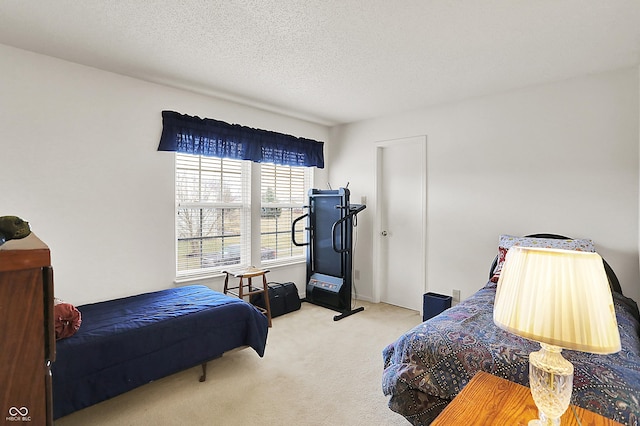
pixel 330 222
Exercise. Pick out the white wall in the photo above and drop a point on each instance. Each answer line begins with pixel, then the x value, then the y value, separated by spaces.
pixel 556 158
pixel 78 160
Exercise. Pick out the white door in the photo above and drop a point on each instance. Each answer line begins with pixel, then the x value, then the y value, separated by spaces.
pixel 401 194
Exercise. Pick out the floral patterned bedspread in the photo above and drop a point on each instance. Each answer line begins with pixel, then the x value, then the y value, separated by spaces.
pixel 429 365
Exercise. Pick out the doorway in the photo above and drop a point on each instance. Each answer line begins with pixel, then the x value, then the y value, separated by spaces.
pixel 400 229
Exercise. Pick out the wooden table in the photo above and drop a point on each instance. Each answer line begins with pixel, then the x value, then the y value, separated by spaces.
pixel 491 400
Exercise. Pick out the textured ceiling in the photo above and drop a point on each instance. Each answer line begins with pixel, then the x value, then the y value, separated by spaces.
pixel 333 61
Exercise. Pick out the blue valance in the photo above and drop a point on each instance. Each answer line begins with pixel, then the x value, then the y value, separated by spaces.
pixel 214 138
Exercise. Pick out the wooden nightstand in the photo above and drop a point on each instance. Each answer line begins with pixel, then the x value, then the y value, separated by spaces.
pixel 491 400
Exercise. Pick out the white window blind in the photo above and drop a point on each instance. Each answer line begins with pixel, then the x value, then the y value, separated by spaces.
pixel 213 213
pixel 212 217
pixel 283 194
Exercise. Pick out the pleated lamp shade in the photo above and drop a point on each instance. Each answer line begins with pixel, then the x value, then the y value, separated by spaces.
pixel 557 297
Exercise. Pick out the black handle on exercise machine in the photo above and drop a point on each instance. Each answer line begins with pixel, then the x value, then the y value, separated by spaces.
pixel 293 231
pixel 354 209
pixel 333 236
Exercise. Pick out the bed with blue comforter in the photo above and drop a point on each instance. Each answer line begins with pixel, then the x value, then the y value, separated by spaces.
pixel 125 343
pixel 425 368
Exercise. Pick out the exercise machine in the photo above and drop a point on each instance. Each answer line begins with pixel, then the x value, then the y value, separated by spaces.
pixel 330 222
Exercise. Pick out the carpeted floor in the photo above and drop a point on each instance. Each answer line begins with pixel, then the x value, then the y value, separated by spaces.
pixel 315 371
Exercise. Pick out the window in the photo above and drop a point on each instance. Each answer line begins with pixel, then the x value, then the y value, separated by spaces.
pixel 212 218
pixel 283 195
pixel 214 200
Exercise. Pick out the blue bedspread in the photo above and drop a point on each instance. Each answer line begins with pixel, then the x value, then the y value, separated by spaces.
pixel 127 342
pixel 425 368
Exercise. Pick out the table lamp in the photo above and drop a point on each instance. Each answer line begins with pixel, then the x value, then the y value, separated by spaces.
pixel 561 299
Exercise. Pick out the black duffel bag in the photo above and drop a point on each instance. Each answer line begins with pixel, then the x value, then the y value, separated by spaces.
pixel 283 298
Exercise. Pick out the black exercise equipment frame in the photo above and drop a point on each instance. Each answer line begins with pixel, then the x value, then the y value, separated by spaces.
pixel 330 223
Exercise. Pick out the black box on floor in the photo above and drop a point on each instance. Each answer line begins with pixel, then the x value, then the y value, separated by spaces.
pixel 283 298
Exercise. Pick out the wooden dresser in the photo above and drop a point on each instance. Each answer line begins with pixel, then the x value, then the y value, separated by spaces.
pixel 27 335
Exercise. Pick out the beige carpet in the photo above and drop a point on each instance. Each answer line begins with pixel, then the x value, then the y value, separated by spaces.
pixel 315 371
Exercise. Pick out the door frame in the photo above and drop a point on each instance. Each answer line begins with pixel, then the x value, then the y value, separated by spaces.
pixel 377 270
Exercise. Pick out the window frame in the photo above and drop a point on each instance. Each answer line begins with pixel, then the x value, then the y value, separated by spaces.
pixel 251 233
pixel 198 173
pixel 306 181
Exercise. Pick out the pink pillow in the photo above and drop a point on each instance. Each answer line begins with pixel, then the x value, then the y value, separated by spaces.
pixel 66 318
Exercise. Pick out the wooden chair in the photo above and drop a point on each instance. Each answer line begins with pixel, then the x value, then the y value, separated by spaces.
pixel 246 288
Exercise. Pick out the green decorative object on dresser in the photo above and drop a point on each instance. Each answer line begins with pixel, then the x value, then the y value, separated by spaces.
pixel 13 228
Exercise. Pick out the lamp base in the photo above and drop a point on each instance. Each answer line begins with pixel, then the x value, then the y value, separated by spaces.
pixel 551 383
pixel 543 420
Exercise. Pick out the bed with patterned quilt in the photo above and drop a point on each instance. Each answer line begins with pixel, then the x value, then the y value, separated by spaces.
pixel 425 368
pixel 124 343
